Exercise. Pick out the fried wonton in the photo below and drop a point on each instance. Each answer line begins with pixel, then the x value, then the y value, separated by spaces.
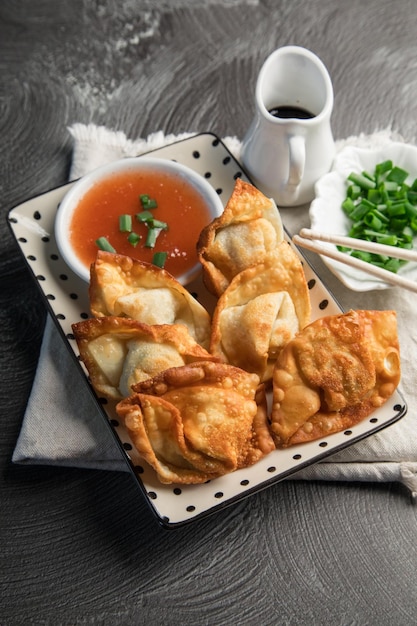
pixel 125 287
pixel 333 374
pixel 119 352
pixel 198 422
pixel 247 231
pixel 260 311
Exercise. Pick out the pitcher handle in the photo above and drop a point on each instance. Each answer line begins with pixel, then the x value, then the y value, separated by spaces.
pixel 297 158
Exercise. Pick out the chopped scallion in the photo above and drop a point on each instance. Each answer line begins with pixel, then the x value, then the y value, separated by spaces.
pixel 382 208
pixel 144 216
pixel 398 175
pixel 158 224
pixel 104 244
pixel 134 239
pixel 159 259
pixel 152 237
pixel 354 191
pixel 125 223
pixel 147 202
pixel 382 168
pixel 362 181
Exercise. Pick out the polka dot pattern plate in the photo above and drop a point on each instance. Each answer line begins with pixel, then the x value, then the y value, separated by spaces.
pixel 66 296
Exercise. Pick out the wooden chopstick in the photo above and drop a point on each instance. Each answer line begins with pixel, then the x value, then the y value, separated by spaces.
pixel 360 244
pixel 378 272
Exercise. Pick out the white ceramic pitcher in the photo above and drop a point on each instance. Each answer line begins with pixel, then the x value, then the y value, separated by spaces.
pixel 285 150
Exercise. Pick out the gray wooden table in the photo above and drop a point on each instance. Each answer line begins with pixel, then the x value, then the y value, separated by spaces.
pixel 79 546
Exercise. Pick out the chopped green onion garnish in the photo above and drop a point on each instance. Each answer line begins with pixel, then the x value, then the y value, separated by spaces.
pixel 360 210
pixel 372 221
pixel 158 224
pixel 144 216
pixel 396 209
pixel 362 181
pixel 125 223
pixel 147 218
pixel 398 175
pixel 383 168
pixel 388 240
pixel 369 176
pixel 104 244
pixel 348 205
pixel 354 191
pixel 389 185
pixel 147 202
pixel 363 256
pixel 152 237
pixel 159 259
pixel 134 239
pixel 392 265
pixel 374 196
pixel 382 208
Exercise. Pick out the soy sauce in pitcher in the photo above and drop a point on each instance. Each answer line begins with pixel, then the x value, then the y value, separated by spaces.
pixel 288 111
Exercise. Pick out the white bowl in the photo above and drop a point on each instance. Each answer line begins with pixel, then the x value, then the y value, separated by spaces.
pixel 327 216
pixel 83 185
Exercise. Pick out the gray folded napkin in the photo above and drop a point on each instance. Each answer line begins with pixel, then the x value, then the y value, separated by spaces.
pixel 60 429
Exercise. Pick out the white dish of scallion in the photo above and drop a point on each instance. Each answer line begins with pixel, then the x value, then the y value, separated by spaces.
pixel 369 194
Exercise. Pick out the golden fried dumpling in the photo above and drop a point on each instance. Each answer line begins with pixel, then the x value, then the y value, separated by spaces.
pixel 198 422
pixel 260 311
pixel 119 352
pixel 156 430
pixel 247 231
pixel 125 287
pixel 333 374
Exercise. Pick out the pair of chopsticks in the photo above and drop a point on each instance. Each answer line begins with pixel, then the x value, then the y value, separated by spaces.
pixel 308 239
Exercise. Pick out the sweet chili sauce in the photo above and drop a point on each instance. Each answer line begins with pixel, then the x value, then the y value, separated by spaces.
pixel 178 204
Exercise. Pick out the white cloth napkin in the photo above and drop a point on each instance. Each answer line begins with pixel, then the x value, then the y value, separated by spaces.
pixel 62 429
